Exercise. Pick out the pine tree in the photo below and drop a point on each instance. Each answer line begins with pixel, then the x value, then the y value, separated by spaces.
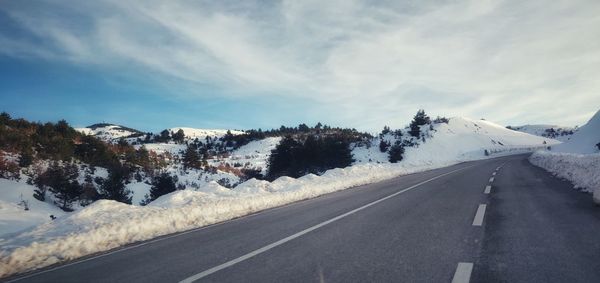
pixel 161 185
pixel 26 158
pixel 164 136
pixel 419 120
pixel 179 136
pixel 396 152
pixel 62 182
pixel 383 145
pixel 113 187
pixel 191 158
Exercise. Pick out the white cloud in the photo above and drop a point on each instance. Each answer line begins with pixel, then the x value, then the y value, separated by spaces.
pixel 368 64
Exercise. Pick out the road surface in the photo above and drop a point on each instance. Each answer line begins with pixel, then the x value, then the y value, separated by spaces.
pixel 497 220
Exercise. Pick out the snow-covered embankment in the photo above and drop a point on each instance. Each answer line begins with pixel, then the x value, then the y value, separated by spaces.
pixel 583 170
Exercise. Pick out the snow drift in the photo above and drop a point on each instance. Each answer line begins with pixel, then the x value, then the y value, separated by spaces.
pixel 107 224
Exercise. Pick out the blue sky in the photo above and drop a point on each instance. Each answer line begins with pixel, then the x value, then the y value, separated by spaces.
pixel 246 64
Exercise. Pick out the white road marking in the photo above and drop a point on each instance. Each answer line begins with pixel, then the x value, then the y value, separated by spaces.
pixel 488 189
pixel 494 174
pixel 492 180
pixel 305 231
pixel 463 272
pixel 478 221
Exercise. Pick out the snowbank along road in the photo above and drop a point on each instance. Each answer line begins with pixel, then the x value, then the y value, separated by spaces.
pixel 497 220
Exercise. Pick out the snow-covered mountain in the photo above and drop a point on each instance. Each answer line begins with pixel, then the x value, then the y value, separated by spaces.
pixel 560 133
pixel 111 132
pixel 585 140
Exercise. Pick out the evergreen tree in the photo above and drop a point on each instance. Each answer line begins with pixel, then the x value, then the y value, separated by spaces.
pixel 179 136
pixel 396 152
pixel 26 157
pixel 386 130
pixel 383 145
pixel 191 158
pixel 164 136
pixel 161 185
pixel 315 155
pixel 419 120
pixel 113 187
pixel 62 182
pixel 283 157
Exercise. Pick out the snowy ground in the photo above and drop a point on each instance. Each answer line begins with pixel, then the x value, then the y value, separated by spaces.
pixel 15 197
pixel 107 224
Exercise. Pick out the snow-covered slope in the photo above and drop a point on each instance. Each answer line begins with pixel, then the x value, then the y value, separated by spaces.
pixel 467 139
pixel 19 210
pixel 255 154
pixel 585 139
pixel 459 139
pixel 559 133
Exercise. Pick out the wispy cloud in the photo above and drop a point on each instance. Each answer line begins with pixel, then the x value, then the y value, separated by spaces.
pixel 365 63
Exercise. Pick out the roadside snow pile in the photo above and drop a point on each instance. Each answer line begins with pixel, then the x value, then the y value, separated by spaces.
pixel 577 160
pixel 105 225
pixel 583 170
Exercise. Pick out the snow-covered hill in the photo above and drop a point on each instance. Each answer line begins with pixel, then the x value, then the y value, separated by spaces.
pixel 585 140
pixel 560 133
pixel 201 134
pixel 110 132
pixel 459 139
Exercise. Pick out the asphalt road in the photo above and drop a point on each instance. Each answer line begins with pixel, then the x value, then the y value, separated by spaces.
pixel 416 228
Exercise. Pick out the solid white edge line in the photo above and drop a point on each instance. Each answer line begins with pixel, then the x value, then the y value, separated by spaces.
pixel 478 220
pixel 463 272
pixel 491 179
pixel 488 189
pixel 305 231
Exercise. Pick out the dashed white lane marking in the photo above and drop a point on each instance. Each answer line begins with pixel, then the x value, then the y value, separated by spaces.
pixel 463 272
pixel 305 231
pixel 488 189
pixel 478 220
pixel 494 174
pixel 492 180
